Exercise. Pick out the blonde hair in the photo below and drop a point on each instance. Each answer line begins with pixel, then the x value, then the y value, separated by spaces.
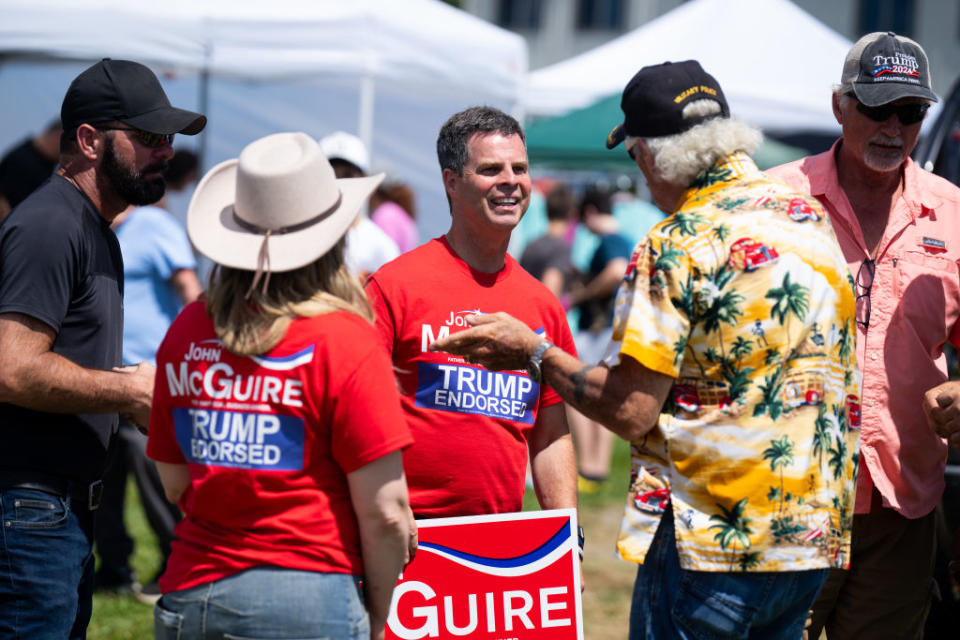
pixel 254 324
pixel 681 157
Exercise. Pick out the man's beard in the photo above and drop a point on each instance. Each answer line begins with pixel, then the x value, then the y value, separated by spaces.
pixel 129 184
pixel 879 157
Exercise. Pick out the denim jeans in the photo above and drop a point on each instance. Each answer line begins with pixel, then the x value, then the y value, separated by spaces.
pixel 266 602
pixel 672 602
pixel 46 566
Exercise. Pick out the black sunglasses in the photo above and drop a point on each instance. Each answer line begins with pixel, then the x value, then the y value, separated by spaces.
pixel 146 138
pixel 907 113
pixel 864 283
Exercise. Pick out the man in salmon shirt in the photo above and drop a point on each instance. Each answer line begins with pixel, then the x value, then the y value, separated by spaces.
pixel 898 228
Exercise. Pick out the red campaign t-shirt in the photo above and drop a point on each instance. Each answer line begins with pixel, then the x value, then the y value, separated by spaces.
pixel 470 424
pixel 268 441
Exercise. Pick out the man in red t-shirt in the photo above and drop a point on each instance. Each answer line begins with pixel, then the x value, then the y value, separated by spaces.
pixel 472 426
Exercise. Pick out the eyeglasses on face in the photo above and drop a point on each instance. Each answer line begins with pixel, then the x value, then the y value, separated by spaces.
pixel 907 113
pixel 146 138
pixel 864 283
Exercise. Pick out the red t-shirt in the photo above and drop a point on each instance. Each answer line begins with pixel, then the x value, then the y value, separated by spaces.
pixel 470 424
pixel 268 441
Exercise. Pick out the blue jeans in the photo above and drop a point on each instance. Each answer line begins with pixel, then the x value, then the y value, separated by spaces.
pixel 46 566
pixel 672 602
pixel 266 602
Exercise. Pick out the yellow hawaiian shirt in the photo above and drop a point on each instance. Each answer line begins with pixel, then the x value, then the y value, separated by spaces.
pixel 744 297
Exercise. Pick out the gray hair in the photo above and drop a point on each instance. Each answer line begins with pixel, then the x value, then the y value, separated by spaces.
pixel 843 88
pixel 681 157
pixel 456 131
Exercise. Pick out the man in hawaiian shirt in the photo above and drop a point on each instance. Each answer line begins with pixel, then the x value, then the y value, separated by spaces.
pixel 743 441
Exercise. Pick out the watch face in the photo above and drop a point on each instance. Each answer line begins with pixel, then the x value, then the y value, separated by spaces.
pixel 533 370
pixel 533 366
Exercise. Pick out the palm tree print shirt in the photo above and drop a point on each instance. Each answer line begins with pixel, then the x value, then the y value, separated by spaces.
pixel 744 297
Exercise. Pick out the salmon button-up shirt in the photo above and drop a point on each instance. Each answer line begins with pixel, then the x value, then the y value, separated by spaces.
pixel 914 307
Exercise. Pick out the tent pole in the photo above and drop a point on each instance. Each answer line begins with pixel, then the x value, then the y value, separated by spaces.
pixel 365 123
pixel 204 103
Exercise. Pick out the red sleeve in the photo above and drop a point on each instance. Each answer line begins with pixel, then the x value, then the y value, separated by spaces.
pixel 368 422
pixel 162 440
pixel 384 320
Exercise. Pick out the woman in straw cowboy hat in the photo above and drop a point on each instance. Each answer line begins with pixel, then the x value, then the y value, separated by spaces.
pixel 275 423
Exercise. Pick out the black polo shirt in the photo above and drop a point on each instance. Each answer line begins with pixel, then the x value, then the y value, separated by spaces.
pixel 60 263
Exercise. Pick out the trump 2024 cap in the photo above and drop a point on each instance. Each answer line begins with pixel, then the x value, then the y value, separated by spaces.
pixel 883 67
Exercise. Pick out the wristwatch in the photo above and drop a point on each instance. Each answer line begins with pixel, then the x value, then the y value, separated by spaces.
pixel 533 367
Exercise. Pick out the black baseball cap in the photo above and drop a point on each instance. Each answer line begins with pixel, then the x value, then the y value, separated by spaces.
pixel 129 92
pixel 883 67
pixel 654 99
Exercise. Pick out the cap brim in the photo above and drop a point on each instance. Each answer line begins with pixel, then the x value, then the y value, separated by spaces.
pixel 875 94
pixel 616 136
pixel 168 120
pixel 215 232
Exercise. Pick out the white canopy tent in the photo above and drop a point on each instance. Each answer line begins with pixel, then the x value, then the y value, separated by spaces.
pixel 390 72
pixel 775 62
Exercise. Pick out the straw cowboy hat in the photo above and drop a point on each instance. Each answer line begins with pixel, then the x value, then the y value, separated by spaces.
pixel 276 208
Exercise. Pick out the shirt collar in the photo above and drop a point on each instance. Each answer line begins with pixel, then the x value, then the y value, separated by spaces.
pixel 919 199
pixel 736 166
pixel 823 176
pixel 822 171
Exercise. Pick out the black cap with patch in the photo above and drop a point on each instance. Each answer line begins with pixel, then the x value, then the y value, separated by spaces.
pixel 654 99
pixel 128 92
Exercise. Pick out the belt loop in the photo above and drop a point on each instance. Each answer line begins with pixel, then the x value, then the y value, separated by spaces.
pixel 94 495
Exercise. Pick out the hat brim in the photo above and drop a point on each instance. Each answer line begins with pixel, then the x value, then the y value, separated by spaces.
pixel 215 232
pixel 617 135
pixel 168 120
pixel 874 94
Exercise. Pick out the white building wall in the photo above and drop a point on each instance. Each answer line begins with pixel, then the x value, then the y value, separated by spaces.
pixel 936 27
pixel 558 37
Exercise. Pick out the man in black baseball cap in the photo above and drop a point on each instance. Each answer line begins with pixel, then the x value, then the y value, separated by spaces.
pixel 897 226
pixel 654 99
pixel 61 319
pixel 127 92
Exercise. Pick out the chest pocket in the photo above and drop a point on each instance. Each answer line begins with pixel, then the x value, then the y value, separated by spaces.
pixel 928 287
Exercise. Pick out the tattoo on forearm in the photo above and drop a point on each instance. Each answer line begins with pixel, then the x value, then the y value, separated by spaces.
pixel 579 380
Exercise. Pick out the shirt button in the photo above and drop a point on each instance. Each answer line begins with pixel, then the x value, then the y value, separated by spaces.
pixel 869 403
pixel 873 356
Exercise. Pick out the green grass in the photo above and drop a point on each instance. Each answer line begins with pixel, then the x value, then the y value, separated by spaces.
pixel 123 617
pixel 613 491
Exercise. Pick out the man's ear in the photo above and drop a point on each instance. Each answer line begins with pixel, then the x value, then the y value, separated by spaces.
pixel 450 180
pixel 837 113
pixel 644 156
pixel 90 142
